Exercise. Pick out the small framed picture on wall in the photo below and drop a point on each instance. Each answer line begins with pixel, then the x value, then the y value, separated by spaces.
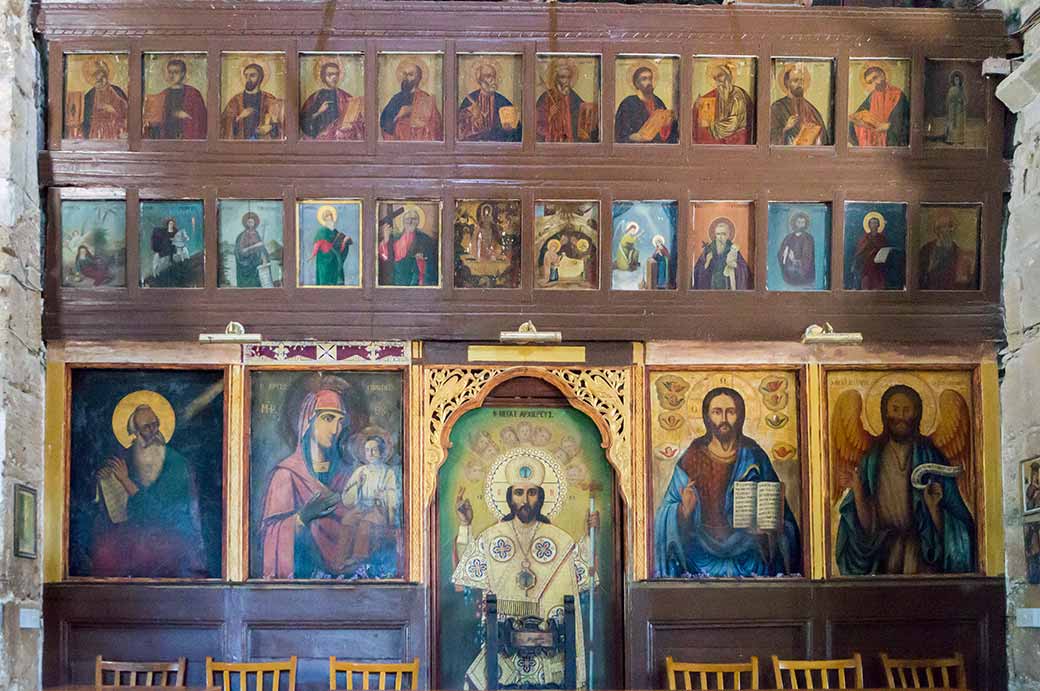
pixel 1030 478
pixel 25 522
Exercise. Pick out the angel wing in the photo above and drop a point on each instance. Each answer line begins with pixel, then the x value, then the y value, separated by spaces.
pixel 849 439
pixel 952 436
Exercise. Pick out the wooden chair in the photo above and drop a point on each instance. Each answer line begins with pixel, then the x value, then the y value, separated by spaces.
pixel 245 670
pixel 925 673
pixel 853 664
pixel 396 670
pixel 704 674
pixel 114 673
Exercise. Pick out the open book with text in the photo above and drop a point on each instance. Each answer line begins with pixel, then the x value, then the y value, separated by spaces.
pixel 758 505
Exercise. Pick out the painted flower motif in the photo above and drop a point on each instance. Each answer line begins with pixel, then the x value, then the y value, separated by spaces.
pixel 502 549
pixel 476 568
pixel 544 549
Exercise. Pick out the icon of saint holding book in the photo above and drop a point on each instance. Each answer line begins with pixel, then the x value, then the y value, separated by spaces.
pixel 724 514
pixel 793 119
pixel 151 523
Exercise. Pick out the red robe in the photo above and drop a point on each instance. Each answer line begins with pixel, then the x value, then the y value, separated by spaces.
pixel 169 127
pixel 103 123
pixel 872 275
pixel 423 124
pixel 881 107
pixel 703 135
pixel 290 487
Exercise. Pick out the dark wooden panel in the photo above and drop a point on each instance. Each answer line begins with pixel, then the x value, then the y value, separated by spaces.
pixel 529 171
pixel 236 622
pixel 138 641
pixel 714 622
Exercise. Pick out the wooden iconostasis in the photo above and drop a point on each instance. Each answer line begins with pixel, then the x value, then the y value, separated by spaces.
pixel 818 424
pixel 394 459
pixel 387 171
pixel 380 189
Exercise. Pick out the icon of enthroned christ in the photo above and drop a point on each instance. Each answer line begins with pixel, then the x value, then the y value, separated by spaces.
pixel 526 561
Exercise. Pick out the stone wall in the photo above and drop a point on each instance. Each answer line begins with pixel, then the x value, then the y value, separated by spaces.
pixel 21 348
pixel 1020 387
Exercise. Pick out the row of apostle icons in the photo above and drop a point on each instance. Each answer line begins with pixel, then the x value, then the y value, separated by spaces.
pixel 255 88
pixel 326 450
pixel 487 251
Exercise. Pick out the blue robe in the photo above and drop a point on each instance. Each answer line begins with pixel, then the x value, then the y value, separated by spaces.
pixel 953 551
pixel 693 551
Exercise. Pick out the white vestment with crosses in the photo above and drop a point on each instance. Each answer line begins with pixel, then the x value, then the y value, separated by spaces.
pixel 560 565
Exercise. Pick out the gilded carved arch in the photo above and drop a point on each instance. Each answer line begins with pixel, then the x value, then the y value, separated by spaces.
pixel 606 394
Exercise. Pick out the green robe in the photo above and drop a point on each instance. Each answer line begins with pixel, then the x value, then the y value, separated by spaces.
pixel 330 250
pixel 627 256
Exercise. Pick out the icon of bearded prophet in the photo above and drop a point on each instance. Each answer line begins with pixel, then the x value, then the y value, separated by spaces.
pixel 903 512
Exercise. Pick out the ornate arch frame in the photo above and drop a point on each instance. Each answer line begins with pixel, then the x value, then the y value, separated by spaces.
pixel 610 396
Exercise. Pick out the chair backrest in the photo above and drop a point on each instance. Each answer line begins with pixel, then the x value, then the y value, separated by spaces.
pixel 393 673
pixel 925 673
pixel 703 676
pixel 276 671
pixel 816 674
pixel 118 673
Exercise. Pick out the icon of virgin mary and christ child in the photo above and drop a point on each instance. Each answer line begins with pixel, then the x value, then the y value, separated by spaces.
pixel 321 519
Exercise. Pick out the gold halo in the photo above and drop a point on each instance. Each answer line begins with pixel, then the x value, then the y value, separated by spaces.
pixel 747 390
pixel 357 442
pixel 324 209
pixel 868 65
pixel 89 66
pixel 582 244
pixel 732 67
pixel 630 71
pixel 246 60
pixel 555 64
pixel 881 222
pixel 788 67
pixel 554 484
pixel 323 59
pixel 732 227
pixel 474 71
pixel 936 214
pixel 877 390
pixel 658 238
pixel 412 60
pixel 418 210
pixel 130 402
pixel 551 247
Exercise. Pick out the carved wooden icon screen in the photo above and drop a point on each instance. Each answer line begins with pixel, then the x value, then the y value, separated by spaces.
pixel 564 194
